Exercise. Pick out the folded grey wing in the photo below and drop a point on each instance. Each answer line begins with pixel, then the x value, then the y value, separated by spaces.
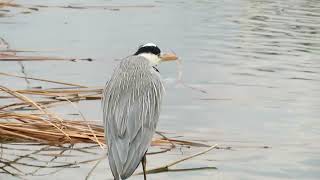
pixel 131 112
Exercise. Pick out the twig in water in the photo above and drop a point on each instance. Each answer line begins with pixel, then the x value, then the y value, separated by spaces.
pixel 179 78
pixel 165 168
pixel 166 138
pixel 23 70
pixel 94 167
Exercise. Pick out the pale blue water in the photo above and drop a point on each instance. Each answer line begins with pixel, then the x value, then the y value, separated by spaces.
pixel 258 60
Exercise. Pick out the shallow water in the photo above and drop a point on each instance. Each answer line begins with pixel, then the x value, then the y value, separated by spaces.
pixel 258 61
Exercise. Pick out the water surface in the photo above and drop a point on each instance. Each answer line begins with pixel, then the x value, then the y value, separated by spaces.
pixel 258 61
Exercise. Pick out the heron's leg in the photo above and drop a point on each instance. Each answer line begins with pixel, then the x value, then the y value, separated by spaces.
pixel 144 164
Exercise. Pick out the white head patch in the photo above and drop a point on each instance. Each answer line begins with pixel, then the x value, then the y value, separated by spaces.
pixel 149 44
pixel 153 59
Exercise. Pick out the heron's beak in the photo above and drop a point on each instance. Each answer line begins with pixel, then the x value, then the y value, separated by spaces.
pixel 168 57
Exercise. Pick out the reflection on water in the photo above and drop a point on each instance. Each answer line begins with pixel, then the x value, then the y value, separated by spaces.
pixel 257 59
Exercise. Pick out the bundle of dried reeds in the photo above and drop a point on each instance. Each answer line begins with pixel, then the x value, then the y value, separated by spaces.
pixel 47 128
pixel 53 131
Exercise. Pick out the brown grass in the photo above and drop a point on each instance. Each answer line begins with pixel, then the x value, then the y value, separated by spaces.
pixel 47 128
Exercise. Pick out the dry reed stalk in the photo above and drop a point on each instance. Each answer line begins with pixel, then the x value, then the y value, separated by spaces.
pixel 44 80
pixel 58 96
pixel 47 103
pixel 24 105
pixel 10 57
pixel 165 168
pixel 59 92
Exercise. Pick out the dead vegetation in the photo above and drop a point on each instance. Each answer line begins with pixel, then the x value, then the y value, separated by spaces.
pixel 29 122
pixel 45 126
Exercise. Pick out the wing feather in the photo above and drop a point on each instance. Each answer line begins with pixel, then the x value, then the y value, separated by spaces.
pixel 131 107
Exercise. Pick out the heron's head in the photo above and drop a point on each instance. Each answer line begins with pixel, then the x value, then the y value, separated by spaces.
pixel 153 53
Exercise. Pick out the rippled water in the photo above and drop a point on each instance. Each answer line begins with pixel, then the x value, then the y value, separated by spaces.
pixel 258 61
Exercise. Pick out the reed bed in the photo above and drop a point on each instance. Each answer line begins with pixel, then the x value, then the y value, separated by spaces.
pixel 47 128
pixel 28 122
pixel 20 127
pixel 44 129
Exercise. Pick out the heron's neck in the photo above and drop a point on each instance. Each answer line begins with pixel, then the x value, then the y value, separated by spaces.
pixel 153 59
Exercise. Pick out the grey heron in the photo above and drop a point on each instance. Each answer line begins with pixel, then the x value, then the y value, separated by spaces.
pixel 131 108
